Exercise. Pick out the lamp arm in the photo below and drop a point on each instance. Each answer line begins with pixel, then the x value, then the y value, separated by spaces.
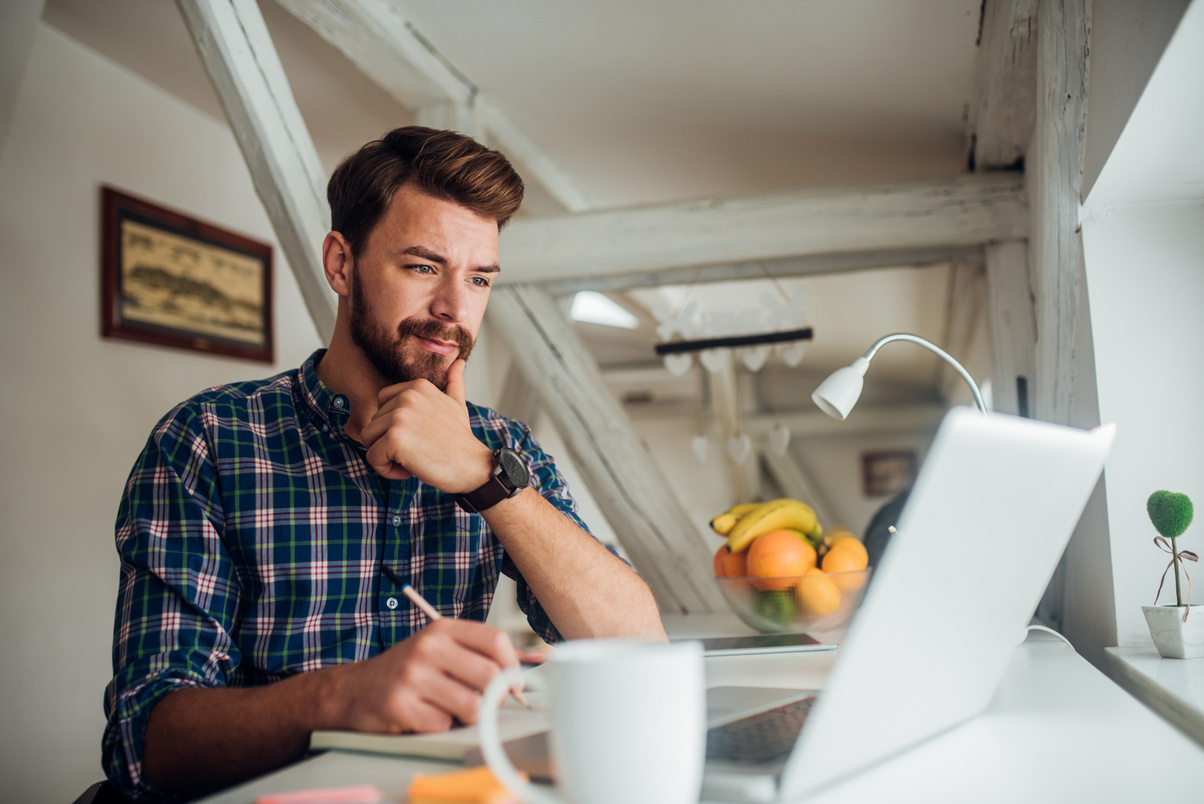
pixel 939 352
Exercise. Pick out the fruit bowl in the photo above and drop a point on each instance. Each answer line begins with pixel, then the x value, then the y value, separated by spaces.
pixel 813 602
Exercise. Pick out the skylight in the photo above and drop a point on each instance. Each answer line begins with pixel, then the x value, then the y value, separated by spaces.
pixel 594 308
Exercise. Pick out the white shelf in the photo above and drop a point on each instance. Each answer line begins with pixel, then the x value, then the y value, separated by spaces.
pixel 1174 688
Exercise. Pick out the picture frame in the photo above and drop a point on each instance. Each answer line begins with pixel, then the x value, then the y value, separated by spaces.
pixel 171 280
pixel 885 473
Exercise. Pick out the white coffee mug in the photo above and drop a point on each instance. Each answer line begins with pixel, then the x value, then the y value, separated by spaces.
pixel 628 724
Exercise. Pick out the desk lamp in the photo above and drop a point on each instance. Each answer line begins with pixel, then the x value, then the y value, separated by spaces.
pixel 836 395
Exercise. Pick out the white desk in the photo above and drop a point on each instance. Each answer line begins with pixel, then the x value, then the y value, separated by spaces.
pixel 1057 731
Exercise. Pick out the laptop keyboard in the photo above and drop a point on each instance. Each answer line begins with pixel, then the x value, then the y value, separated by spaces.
pixel 761 737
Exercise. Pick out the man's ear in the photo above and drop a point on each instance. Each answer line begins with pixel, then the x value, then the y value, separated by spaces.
pixel 337 262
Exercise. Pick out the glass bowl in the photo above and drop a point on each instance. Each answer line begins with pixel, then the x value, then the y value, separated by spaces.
pixel 818 602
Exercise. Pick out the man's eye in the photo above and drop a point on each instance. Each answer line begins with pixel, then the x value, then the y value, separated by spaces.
pixel 480 281
pixel 423 269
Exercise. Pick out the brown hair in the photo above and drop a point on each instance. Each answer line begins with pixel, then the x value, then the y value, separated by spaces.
pixel 443 164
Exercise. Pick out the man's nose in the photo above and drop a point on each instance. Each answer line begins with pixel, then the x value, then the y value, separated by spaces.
pixel 450 302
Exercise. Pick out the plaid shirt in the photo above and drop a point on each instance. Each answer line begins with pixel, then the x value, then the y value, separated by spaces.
pixel 252 533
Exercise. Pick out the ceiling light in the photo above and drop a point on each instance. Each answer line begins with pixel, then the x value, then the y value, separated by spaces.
pixel 595 308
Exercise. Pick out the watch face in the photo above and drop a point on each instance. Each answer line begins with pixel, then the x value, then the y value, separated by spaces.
pixel 514 468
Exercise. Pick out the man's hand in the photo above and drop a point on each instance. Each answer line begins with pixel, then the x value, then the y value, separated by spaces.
pixel 419 431
pixel 427 683
pixel 199 739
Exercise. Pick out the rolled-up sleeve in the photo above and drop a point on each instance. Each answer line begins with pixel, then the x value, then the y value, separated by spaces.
pixel 551 484
pixel 178 593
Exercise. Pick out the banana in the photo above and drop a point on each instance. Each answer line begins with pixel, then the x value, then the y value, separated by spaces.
pixel 773 515
pixel 723 523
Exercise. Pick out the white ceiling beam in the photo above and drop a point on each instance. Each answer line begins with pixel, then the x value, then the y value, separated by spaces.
pixel 451 116
pixel 671 553
pixel 238 54
pixel 809 265
pixel 797 483
pixel 386 48
pixel 724 386
pixel 518 147
pixel 960 211
pixel 1012 319
pixel 1004 109
pixel 1057 244
pixel 862 421
pixel 391 52
pixel 965 306
pixel 18 25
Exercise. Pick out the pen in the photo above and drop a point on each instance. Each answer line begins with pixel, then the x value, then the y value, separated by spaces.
pixel 433 614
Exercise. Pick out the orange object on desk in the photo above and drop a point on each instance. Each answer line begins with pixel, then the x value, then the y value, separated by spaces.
pixel 473 786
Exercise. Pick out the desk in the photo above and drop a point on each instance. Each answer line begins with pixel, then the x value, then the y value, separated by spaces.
pixel 1057 731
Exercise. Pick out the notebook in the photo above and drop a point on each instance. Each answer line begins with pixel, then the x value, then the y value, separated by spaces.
pixel 977 542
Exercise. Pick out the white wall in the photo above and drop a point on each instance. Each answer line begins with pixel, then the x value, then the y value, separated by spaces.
pixel 77 409
pixel 1145 265
pixel 1143 241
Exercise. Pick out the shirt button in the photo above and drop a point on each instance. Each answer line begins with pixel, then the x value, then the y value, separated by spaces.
pixel 326 428
pixel 396 520
pixel 339 402
pixel 391 602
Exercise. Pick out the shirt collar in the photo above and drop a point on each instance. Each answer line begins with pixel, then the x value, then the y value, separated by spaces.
pixel 325 405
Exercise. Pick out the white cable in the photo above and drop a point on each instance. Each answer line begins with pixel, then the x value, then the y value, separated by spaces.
pixel 1051 631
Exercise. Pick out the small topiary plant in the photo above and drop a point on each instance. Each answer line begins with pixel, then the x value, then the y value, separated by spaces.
pixel 1171 514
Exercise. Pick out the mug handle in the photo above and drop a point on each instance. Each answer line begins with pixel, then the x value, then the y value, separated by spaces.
pixel 491 743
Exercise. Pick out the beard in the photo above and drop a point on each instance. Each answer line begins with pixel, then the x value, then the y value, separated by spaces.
pixel 393 354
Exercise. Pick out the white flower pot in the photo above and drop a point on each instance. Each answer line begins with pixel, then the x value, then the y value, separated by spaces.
pixel 1174 638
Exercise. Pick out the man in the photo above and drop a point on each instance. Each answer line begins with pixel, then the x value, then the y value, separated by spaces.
pixel 258 521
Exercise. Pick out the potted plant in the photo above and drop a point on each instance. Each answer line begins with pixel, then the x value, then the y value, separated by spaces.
pixel 1176 634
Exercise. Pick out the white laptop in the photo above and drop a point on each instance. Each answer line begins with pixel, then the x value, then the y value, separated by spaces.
pixel 978 540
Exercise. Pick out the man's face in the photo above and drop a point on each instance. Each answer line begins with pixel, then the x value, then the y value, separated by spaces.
pixel 419 287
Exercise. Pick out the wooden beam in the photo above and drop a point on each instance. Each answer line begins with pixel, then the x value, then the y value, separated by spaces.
pixel 966 304
pixel 390 51
pixel 670 553
pixel 1012 319
pixel 451 116
pixel 536 163
pixel 18 25
pixel 387 48
pixel 810 265
pixel 959 211
pixel 238 54
pixel 1056 241
pixel 797 482
pixel 1004 109
pixel 862 421
pixel 724 389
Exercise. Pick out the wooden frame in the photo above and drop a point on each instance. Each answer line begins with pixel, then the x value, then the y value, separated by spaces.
pixel 887 472
pixel 172 280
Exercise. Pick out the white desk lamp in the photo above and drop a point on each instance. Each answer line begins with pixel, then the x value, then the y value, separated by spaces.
pixel 837 395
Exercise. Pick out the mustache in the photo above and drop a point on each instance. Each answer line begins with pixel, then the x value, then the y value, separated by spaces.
pixel 433 330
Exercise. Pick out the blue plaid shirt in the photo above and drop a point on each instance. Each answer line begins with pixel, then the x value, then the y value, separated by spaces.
pixel 252 533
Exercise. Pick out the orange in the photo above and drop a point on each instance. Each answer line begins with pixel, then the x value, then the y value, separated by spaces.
pixel 845 562
pixel 817 594
pixel 735 565
pixel 851 542
pixel 720 557
pixel 780 555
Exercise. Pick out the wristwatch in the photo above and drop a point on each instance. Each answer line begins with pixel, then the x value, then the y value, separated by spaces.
pixel 510 476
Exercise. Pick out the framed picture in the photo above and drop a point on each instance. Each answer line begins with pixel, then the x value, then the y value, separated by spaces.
pixel 172 280
pixel 887 472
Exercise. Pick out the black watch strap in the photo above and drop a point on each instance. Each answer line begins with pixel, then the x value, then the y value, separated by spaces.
pixel 498 487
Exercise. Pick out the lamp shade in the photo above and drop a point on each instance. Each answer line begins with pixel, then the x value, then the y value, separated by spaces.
pixel 837 395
